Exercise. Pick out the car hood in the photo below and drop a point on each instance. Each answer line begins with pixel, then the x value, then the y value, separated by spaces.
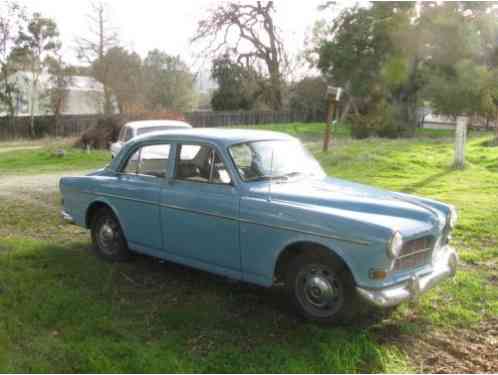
pixel 394 211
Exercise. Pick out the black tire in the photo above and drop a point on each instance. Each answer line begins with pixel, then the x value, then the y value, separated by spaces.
pixel 108 239
pixel 321 288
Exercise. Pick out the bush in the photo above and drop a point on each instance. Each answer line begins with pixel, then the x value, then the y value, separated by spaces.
pixel 361 127
pixel 381 122
pixel 102 135
pixel 107 129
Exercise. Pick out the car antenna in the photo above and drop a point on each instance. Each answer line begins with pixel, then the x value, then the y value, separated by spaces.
pixel 271 176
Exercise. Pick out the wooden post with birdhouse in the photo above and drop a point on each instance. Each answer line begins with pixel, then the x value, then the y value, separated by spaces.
pixel 333 97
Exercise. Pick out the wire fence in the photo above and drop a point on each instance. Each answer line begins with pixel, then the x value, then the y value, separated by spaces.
pixel 74 125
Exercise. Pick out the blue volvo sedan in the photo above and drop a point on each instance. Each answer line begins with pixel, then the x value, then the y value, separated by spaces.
pixel 257 207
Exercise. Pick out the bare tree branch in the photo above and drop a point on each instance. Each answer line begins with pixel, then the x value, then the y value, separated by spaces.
pixel 248 31
pixel 93 48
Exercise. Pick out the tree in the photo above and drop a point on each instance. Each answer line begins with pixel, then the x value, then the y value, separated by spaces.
pixel 168 83
pixel 93 49
pixel 12 18
pixel 389 57
pixel 61 78
pixel 36 44
pixel 354 51
pixel 236 89
pixel 248 31
pixel 309 95
pixel 124 77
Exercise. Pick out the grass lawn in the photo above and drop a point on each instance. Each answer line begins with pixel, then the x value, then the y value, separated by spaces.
pixel 64 310
pixel 21 157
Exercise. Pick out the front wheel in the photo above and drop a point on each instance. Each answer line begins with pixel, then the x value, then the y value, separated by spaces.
pixel 107 237
pixel 321 288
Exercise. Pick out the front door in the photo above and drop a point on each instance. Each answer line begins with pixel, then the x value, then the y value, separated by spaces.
pixel 199 211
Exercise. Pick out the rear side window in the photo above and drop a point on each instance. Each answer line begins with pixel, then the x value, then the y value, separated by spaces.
pixel 149 161
pixel 129 134
pixel 122 134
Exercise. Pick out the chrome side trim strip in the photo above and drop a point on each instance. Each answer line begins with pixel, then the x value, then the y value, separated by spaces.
pixel 358 242
pixel 214 214
pixel 126 198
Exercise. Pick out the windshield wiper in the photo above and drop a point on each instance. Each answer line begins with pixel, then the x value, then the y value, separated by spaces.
pixel 292 174
pixel 267 178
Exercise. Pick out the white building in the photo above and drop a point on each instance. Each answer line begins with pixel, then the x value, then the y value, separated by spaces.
pixel 84 95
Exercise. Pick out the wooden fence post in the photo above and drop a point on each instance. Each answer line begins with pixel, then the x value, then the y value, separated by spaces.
pixel 460 140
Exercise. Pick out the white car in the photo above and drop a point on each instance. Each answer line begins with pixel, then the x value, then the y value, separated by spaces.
pixel 136 128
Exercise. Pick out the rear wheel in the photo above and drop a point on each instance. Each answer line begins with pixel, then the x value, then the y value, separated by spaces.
pixel 321 288
pixel 107 237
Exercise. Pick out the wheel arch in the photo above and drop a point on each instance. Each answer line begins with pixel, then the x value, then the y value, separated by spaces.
pixel 94 207
pixel 290 251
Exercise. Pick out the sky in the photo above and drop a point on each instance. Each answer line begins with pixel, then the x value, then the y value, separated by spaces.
pixel 165 24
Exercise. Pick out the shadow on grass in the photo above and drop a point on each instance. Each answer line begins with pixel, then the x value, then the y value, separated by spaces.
pixel 153 316
pixel 412 188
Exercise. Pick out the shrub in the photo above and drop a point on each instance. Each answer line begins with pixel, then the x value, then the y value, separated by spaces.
pixel 102 135
pixel 382 121
pixel 107 129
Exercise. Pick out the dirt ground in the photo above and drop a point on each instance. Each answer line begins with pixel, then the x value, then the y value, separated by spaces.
pixel 442 352
pixel 21 186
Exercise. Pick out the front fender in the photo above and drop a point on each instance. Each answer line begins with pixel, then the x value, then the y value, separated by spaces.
pixel 269 227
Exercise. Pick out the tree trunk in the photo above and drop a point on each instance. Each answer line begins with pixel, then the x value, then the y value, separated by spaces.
pixel 346 110
pixel 108 107
pixel 405 115
pixel 32 114
pixel 12 118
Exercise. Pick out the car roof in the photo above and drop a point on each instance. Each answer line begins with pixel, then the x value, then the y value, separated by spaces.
pixel 153 123
pixel 220 136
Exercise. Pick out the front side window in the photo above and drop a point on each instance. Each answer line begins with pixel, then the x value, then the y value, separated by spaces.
pixel 278 159
pixel 149 161
pixel 200 163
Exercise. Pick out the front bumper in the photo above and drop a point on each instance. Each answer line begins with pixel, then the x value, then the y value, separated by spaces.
pixel 443 268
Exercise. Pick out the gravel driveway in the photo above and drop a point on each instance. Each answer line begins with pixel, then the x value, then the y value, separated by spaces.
pixel 18 186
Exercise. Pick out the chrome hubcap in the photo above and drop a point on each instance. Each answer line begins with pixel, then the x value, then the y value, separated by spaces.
pixel 319 290
pixel 107 237
pixel 107 233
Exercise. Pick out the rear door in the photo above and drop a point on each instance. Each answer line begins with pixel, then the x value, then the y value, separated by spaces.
pixel 135 192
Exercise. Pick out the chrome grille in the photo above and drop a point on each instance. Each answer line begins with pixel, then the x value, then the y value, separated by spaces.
pixel 415 253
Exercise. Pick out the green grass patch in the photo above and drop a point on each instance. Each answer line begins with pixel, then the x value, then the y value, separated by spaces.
pixel 64 310
pixel 23 160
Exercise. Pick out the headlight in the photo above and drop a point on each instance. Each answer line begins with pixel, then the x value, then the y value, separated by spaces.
pixel 453 217
pixel 395 245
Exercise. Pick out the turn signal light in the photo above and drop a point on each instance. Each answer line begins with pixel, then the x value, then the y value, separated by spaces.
pixel 377 274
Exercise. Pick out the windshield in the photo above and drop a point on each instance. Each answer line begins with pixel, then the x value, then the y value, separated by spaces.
pixel 274 160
